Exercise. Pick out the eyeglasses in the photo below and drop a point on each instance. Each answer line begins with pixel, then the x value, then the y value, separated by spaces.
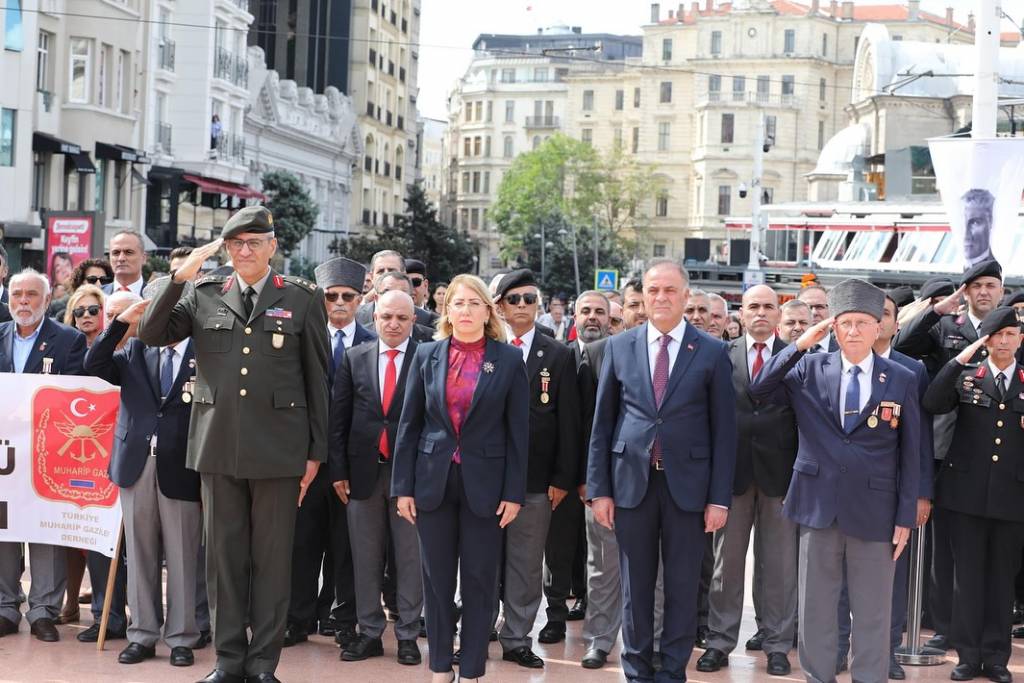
pixel 347 297
pixel 253 244
pixel 460 304
pixel 79 312
pixel 847 325
pixel 616 321
pixel 98 279
pixel 416 281
pixel 513 299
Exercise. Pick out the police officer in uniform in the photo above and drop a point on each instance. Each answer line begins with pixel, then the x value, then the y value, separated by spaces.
pixel 258 431
pixel 980 489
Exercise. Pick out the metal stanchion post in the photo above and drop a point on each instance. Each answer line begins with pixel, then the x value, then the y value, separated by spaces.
pixel 913 652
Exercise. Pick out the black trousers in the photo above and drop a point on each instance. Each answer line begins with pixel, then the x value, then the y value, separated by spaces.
pixel 455 542
pixel 940 588
pixel 560 553
pixel 986 555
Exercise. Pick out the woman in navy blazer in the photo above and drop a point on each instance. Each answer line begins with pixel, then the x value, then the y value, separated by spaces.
pixel 459 469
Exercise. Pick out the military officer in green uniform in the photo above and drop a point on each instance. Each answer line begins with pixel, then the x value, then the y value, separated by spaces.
pixel 258 432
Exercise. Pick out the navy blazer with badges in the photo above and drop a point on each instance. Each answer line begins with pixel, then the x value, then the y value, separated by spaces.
pixel 136 369
pixel 926 483
pixel 696 423
pixel 983 474
pixel 865 481
pixel 63 344
pixel 357 416
pixel 494 439
pixel 555 424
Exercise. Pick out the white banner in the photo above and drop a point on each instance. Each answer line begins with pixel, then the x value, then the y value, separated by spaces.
pixel 981 181
pixel 56 437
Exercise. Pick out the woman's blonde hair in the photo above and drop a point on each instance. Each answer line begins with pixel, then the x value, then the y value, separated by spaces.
pixel 493 328
pixel 79 294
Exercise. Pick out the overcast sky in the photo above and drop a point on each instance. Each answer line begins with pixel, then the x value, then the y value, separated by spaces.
pixel 449 27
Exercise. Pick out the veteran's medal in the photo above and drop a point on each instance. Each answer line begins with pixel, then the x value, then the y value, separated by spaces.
pixel 545 382
pixel 277 340
pixel 47 366
pixel 186 390
pixel 872 421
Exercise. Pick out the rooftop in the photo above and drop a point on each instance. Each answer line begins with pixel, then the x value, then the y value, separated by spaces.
pixel 846 11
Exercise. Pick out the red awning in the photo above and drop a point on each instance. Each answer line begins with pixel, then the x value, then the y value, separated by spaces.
pixel 214 186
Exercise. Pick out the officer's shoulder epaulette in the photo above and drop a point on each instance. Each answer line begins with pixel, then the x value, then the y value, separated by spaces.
pixel 211 280
pixel 301 283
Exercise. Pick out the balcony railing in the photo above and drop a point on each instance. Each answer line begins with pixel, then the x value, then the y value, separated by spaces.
pixel 230 68
pixel 542 122
pixel 165 54
pixel 760 99
pixel 163 137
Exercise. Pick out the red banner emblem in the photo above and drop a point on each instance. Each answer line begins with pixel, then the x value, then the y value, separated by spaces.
pixel 886 414
pixel 72 439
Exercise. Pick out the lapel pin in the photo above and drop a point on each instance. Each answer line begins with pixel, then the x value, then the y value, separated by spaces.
pixel 42 347
pixel 488 367
pixel 881 377
pixel 540 353
pixel 191 362
pixel 689 347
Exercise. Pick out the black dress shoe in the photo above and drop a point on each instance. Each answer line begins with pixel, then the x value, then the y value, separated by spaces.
pixel 45 630
pixel 182 656
pixel 964 672
pixel 595 658
pixel 136 653
pixel 265 677
pixel 456 656
pixel 712 660
pixel 222 676
pixel 896 672
pixel 7 627
pixel 364 647
pixel 553 632
pixel 294 634
pixel 938 641
pixel 578 611
pixel 702 637
pixel 843 664
pixel 204 639
pixel 409 653
pixel 494 635
pixel 92 634
pixel 997 673
pixel 345 636
pixel 1018 632
pixel 524 657
pixel 778 664
pixel 757 640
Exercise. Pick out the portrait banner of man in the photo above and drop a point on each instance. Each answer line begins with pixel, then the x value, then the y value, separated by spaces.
pixel 980 182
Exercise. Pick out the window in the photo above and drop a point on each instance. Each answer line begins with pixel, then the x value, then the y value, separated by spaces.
pixel 658 251
pixel 476 181
pixel 14 39
pixel 8 119
pixel 763 88
pixel 465 182
pixel 666 49
pixel 121 86
pixel 490 110
pixel 467 147
pixel 821 135
pixel 787 87
pixel 80 81
pixel 769 129
pixel 620 100
pixel 897 36
pixel 856 43
pixel 476 146
pixel 617 137
pixel 508 151
pixel 43 62
pixel 469 112
pixel 714 87
pixel 587 135
pixel 636 139
pixel 636 98
pixel 716 42
pixel 475 224
pixel 588 100
pixel 540 74
pixel 822 87
pixel 724 200
pixel 661 204
pixel 666 92
pixel 464 219
pixel 728 121
pixel 824 45
pixel 479 111
pixel 487 146
pixel 664 131
pixel 101 89
pixel 487 182
pixel 739 88
pixel 39 177
pixel 508 75
pixel 789 41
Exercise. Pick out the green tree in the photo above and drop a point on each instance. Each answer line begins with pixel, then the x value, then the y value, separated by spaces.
pixel 294 211
pixel 416 234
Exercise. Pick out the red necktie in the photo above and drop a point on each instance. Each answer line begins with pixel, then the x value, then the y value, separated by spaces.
pixel 758 359
pixel 390 379
pixel 517 342
pixel 123 288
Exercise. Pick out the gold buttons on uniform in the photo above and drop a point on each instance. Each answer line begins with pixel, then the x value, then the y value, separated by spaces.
pixel 242 392
pixel 1002 406
pixel 245 371
pixel 998 441
pixel 999 423
pixel 245 349
pixel 995 458
pixel 248 330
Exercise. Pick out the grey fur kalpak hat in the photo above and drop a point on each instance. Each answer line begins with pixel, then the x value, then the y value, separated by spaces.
pixel 856 296
pixel 341 272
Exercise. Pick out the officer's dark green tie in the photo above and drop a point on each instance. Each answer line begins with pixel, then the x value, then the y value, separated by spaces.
pixel 249 301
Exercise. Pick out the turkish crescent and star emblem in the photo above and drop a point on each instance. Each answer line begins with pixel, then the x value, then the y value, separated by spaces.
pixel 72 439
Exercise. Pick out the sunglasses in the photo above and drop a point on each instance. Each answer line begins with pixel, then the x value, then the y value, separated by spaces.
pixel 416 281
pixel 98 279
pixel 93 310
pixel 513 299
pixel 347 297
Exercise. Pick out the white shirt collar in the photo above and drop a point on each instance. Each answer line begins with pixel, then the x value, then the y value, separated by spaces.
pixel 865 365
pixel 975 321
pixel 769 342
pixel 383 348
pixel 179 348
pixel 527 336
pixel 887 352
pixel 677 332
pixel 1008 371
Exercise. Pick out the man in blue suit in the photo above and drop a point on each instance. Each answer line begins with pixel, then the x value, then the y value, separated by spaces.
pixel 159 495
pixel 855 479
pixel 33 343
pixel 660 472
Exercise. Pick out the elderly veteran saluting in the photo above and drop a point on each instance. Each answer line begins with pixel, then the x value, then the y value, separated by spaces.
pixel 855 478
pixel 258 432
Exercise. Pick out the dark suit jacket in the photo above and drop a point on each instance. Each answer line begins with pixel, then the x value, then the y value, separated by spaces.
pixel 5 313
pixel 926 482
pixel 696 423
pixel 588 370
pixel 544 329
pixel 866 481
pixel 766 432
pixel 357 417
pixel 65 345
pixel 494 436
pixel 554 425
pixel 136 369
pixel 935 339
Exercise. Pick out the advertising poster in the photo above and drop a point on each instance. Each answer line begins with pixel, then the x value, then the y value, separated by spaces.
pixel 68 243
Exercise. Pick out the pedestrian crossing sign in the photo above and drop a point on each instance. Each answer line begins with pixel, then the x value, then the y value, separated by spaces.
pixel 606 280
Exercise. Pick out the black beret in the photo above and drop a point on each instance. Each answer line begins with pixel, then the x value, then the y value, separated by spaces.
pixel 1013 298
pixel 1004 316
pixel 987 268
pixel 255 219
pixel 901 296
pixel 517 278
pixel 415 267
pixel 939 285
pixel 856 296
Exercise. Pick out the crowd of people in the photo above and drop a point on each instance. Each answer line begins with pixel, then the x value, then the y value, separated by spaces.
pixel 328 457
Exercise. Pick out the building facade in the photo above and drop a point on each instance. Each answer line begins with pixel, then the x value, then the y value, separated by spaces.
pixel 432 162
